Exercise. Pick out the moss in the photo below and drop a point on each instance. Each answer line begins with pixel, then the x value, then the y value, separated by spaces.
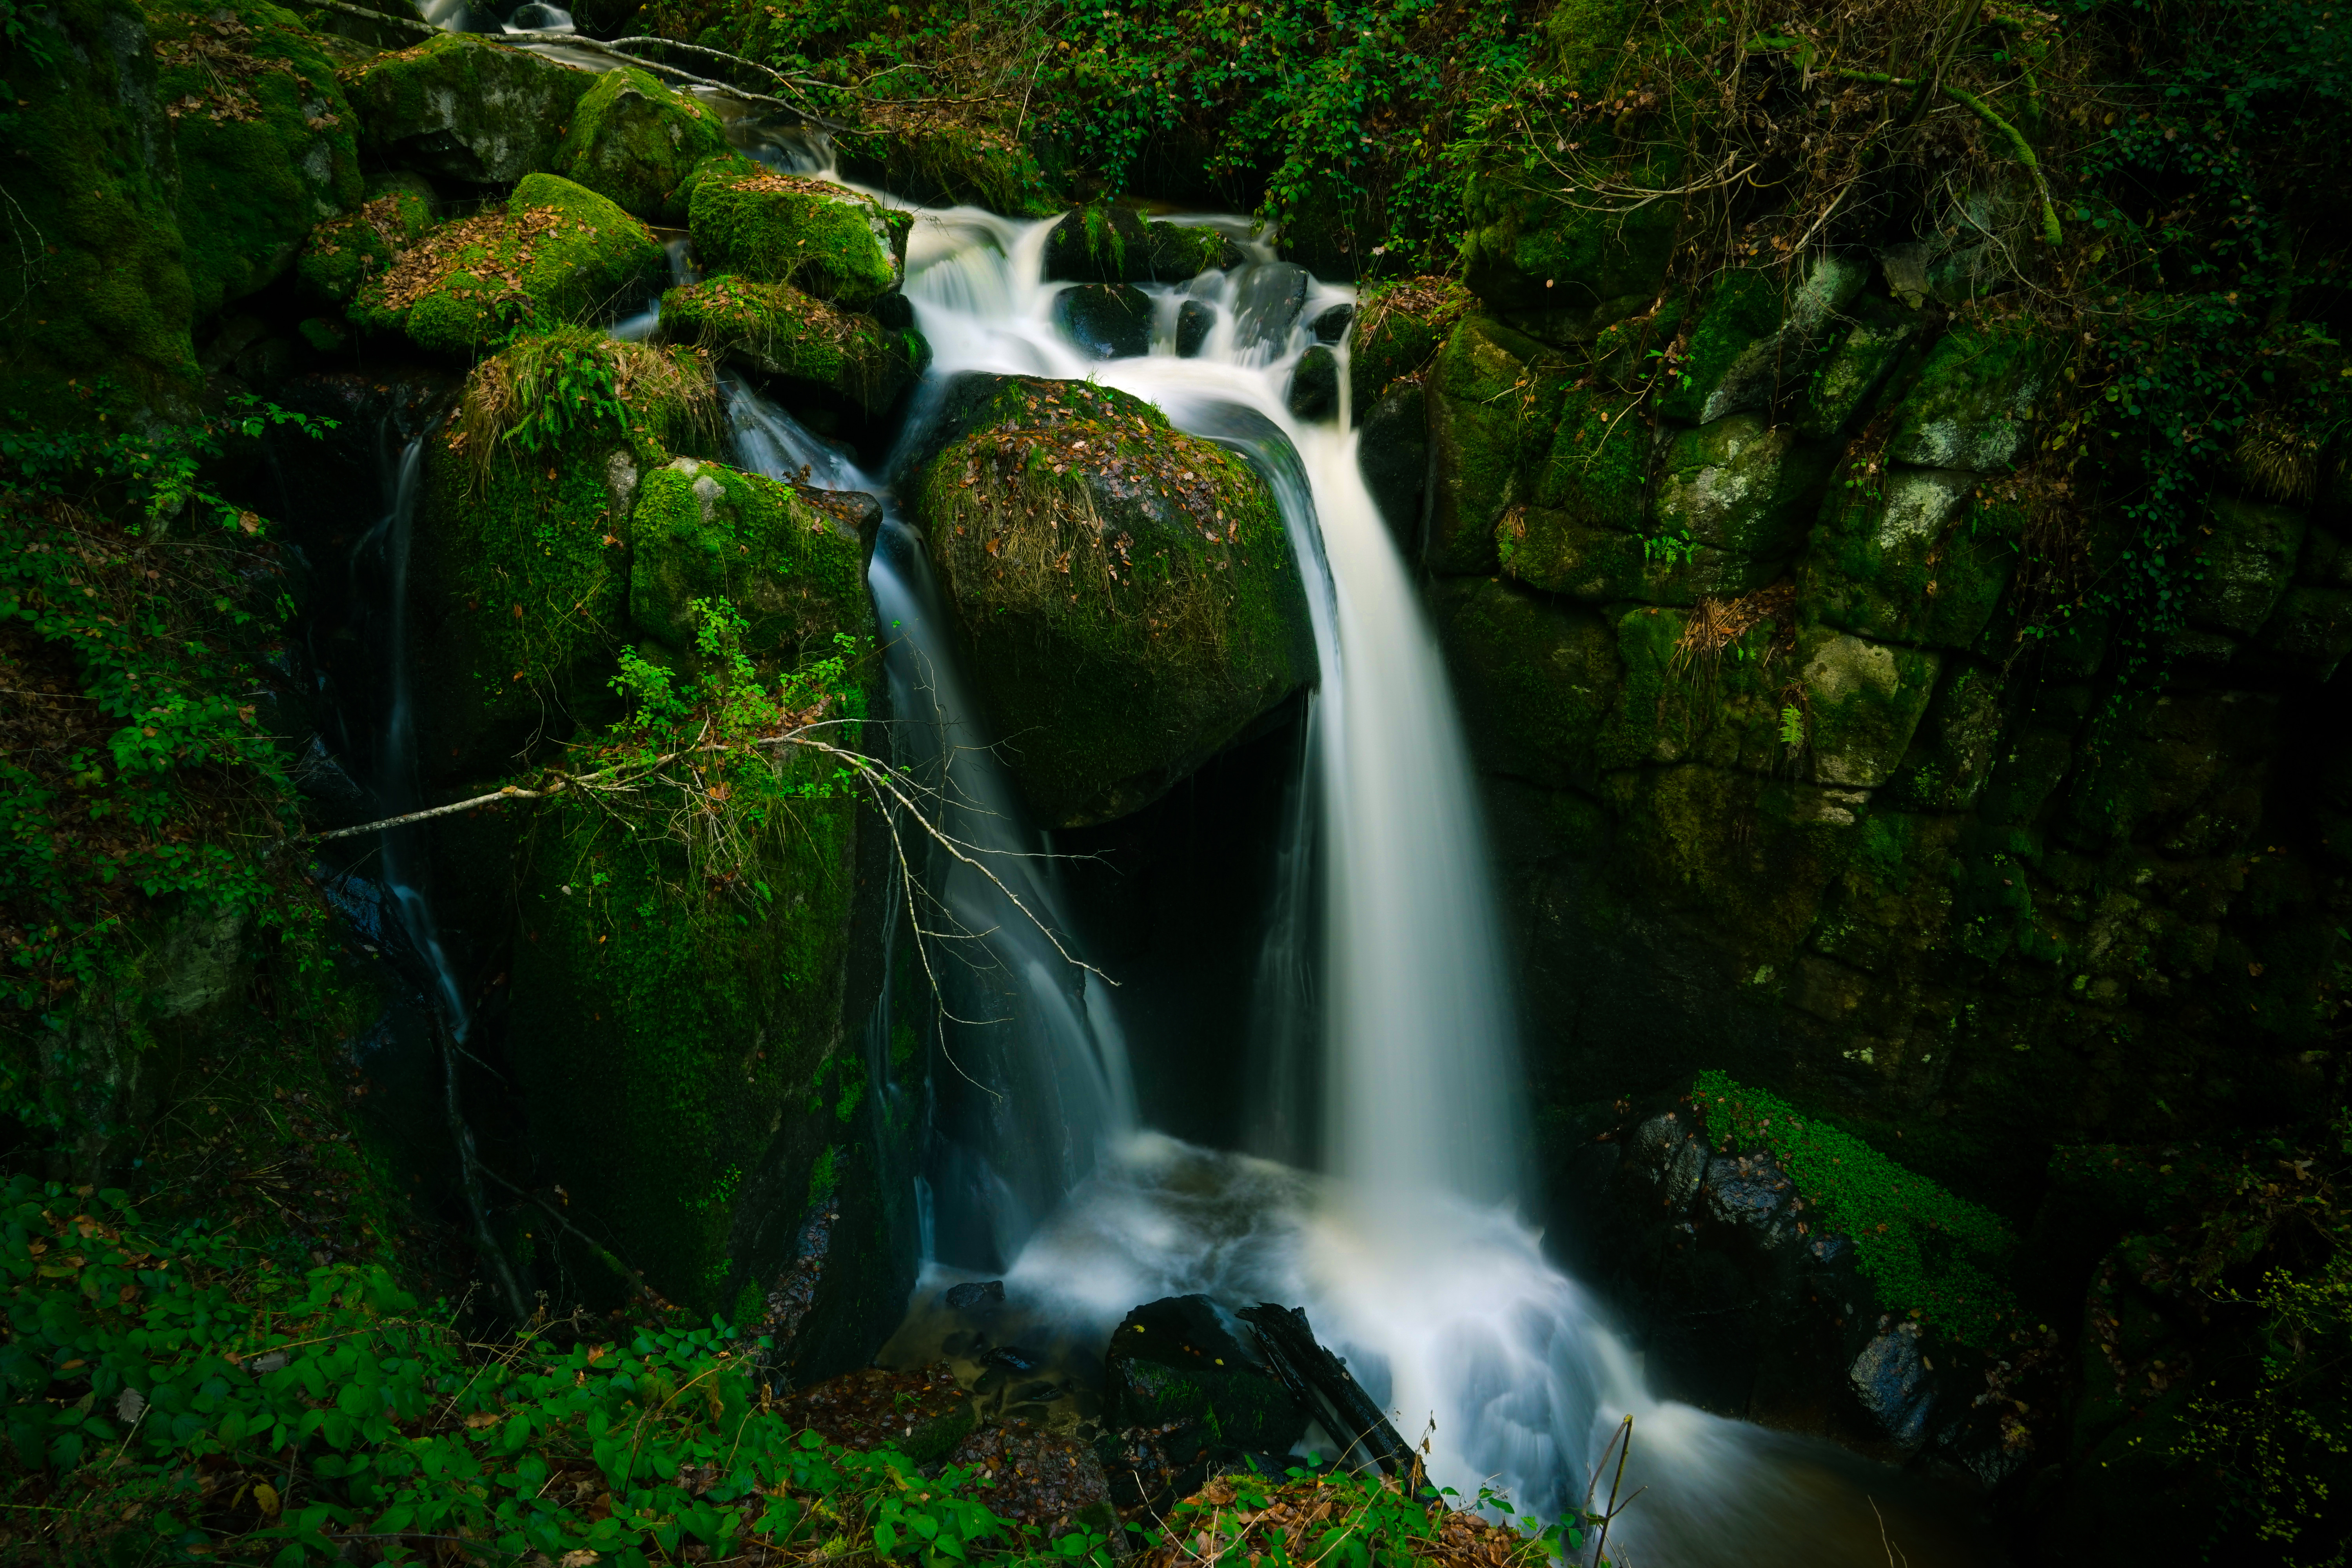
pixel 1181 251
pixel 266 143
pixel 1496 398
pixel 1973 399
pixel 777 228
pixel 939 163
pixel 1127 593
pixel 1862 702
pixel 1396 331
pixel 1538 679
pixel 344 252
pixel 521 562
pixel 1916 555
pixel 779 332
pixel 1741 485
pixel 2248 554
pixel 460 107
pixel 1857 366
pixel 1952 760
pixel 1677 704
pixel 108 298
pixel 635 140
pixel 1925 1250
pixel 1746 305
pixel 1099 244
pixel 703 531
pixel 1561 272
pixel 557 253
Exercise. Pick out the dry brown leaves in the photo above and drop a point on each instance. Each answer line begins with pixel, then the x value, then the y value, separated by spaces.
pixel 1715 624
pixel 1226 1526
pixel 493 247
pixel 869 1408
pixel 223 57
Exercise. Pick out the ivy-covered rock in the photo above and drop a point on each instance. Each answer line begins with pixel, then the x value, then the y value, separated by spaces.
pixel 1106 320
pixel 636 141
pixel 1973 399
pixel 266 143
pixel 464 109
pixel 520 572
pixel 342 253
pixel 933 159
pixel 1911 556
pixel 1126 594
pixel 1115 245
pixel 794 568
pixel 778 331
pixel 557 253
pixel 821 238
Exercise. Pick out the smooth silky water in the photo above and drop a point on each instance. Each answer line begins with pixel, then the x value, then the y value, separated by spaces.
pixel 1407 1250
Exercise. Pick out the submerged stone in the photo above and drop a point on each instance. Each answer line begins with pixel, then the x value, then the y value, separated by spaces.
pixel 462 108
pixel 822 239
pixel 1125 593
pixel 1108 320
pixel 777 331
pixel 634 140
pixel 1267 303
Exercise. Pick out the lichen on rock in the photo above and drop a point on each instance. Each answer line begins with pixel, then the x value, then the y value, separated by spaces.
pixel 1126 594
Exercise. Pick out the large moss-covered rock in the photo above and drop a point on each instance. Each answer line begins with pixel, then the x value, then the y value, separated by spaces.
pixel 1862 701
pixel 106 294
pixel 557 252
pixel 1857 365
pixel 932 158
pixel 1115 245
pixel 1538 678
pixel 520 572
pixel 1495 396
pixel 777 331
pixel 342 253
pixel 1126 594
pixel 1911 555
pixel 1973 399
pixel 1741 485
pixel 636 141
pixel 821 238
pixel 1758 338
pixel 1396 331
pixel 268 146
pixel 795 569
pixel 462 108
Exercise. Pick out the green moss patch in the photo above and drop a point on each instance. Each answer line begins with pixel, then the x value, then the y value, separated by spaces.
pixel 778 330
pixel 1396 331
pixel 1127 592
pixel 927 155
pixel 462 108
pixel 1925 1250
pixel 343 253
pixel 557 253
pixel 1916 555
pixel 1495 396
pixel 635 140
pixel 779 228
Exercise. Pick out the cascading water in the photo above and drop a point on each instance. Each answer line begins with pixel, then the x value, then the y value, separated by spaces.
pixel 1407 1256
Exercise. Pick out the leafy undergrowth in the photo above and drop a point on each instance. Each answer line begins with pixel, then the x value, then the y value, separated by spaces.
pixel 189 1396
pixel 1925 1250
pixel 1349 1520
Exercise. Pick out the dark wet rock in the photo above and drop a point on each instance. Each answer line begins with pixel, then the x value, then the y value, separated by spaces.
pixel 1267 303
pixel 1894 1385
pixel 1115 245
pixel 1194 323
pixel 1315 385
pixel 1330 326
pixel 1108 321
pixel 1178 1362
pixel 973 1294
pixel 1393 456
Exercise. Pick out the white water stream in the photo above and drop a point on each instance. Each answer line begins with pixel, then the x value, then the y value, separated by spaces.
pixel 1407 1253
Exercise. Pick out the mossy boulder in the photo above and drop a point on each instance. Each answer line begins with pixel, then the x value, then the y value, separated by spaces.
pixel 1104 321
pixel 778 331
pixel 520 572
pixel 558 252
pixel 935 160
pixel 266 143
pixel 1857 365
pixel 1973 399
pixel 635 140
pixel 1395 334
pixel 1911 555
pixel 1495 399
pixel 781 228
pixel 1115 245
pixel 1741 485
pixel 107 294
pixel 1559 272
pixel 464 109
pixel 2249 556
pixel 1538 678
pixel 1759 338
pixel 1953 755
pixel 1126 594
pixel 342 253
pixel 1862 701
pixel 795 569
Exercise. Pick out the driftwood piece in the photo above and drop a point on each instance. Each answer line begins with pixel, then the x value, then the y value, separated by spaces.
pixel 1321 1382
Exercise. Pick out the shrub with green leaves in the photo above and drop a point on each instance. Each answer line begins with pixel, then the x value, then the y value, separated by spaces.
pixel 1925 1249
